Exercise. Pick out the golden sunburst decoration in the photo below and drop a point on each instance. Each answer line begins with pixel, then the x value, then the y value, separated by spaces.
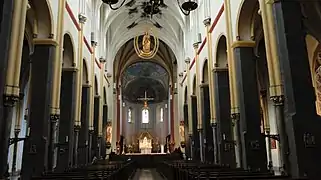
pixel 146 45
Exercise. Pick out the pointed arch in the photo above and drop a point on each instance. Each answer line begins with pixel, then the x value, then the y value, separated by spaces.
pixel 96 86
pixel 205 72
pixel 221 54
pixel 105 95
pixel 43 26
pixel 68 51
pixel 194 85
pixel 245 20
pixel 185 95
pixel 85 78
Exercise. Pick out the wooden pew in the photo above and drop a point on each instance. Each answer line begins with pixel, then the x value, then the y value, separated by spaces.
pixel 189 170
pixel 100 170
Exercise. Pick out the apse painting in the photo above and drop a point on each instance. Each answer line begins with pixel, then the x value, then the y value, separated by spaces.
pixel 146 69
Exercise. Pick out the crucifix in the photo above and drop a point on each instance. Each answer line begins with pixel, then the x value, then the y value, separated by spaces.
pixel 145 99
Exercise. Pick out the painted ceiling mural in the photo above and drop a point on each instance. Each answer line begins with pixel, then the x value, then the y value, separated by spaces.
pixel 146 69
pixel 145 76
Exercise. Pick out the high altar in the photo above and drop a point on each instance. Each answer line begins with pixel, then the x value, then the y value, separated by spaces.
pixel 145 143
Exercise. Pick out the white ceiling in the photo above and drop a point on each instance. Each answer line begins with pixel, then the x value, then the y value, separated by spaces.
pixel 116 22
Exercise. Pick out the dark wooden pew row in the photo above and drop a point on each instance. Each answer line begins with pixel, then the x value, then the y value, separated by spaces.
pixel 100 170
pixel 189 170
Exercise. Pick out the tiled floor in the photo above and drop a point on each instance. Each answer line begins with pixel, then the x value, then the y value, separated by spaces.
pixel 147 174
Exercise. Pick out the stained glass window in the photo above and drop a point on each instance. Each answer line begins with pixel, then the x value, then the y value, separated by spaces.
pixel 145 116
pixel 129 115
pixel 161 115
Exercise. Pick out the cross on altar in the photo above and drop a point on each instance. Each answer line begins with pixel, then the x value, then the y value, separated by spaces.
pixel 145 99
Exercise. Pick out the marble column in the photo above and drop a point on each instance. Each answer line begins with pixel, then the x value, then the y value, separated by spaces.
pixel 226 150
pixel 302 123
pixel 187 139
pixel 207 129
pixel 35 153
pixel 95 141
pixel 6 104
pixel 84 129
pixel 253 141
pixel 66 123
pixel 103 139
pixel 195 136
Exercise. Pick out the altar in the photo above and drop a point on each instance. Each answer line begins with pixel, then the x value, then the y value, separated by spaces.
pixel 145 143
pixel 145 146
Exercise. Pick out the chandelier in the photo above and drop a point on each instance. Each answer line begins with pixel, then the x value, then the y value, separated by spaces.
pixel 186 7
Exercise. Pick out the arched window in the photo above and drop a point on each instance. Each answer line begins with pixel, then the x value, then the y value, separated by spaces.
pixel 161 115
pixel 129 115
pixel 145 116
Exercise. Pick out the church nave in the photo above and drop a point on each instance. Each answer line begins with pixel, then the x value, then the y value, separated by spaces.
pixel 147 174
pixel 192 89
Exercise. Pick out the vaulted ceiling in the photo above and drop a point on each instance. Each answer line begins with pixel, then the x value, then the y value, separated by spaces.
pixel 130 20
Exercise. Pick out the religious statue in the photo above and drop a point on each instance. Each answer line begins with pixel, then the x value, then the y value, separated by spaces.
pixel 108 134
pixel 145 143
pixel 146 43
pixel 182 131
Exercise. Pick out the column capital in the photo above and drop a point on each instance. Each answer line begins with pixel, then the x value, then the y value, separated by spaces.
pixel 54 118
pixel 195 45
pixel 77 127
pixel 71 69
pixel 271 1
pixel 277 100
pixel 187 60
pixel 82 18
pixel 77 123
pixel 235 118
pixel 237 44
pixel 45 41
pixel 87 85
pixel 203 85
pixel 94 44
pixel 220 69
pixel 213 123
pixel 17 131
pixel 207 21
pixel 10 100
pixel 102 60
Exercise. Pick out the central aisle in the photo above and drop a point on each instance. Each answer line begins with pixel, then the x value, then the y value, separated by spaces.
pixel 147 174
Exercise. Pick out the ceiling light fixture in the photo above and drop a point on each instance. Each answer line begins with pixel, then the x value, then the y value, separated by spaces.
pixel 113 2
pixel 186 7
